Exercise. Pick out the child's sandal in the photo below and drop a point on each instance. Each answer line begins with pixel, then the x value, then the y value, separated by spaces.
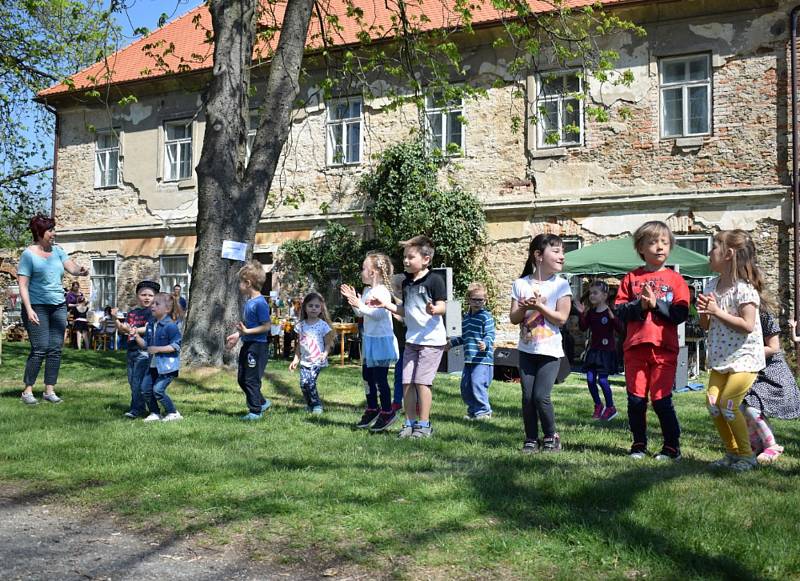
pixel 770 455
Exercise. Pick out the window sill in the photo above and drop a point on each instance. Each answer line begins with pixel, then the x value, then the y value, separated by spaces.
pixel 114 187
pixel 546 153
pixel 689 142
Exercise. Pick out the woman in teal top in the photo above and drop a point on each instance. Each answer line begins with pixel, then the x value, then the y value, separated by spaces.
pixel 44 308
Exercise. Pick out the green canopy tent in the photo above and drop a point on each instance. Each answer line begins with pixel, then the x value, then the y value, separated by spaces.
pixel 617 257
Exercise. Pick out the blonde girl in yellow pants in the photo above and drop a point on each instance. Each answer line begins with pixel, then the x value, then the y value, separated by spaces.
pixel 729 311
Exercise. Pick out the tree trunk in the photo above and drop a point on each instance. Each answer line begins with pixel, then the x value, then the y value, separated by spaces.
pixel 231 198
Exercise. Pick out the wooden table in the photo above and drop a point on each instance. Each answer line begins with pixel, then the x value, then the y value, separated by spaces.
pixel 344 329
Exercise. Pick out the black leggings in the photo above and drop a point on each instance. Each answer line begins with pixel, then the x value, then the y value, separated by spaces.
pixel 537 376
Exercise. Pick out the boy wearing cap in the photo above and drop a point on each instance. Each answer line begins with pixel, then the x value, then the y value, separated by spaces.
pixel 138 359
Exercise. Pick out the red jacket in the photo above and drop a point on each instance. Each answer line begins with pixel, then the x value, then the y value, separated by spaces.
pixel 659 326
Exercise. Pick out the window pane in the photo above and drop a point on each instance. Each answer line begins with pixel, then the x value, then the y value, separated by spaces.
pixel 103 267
pixel 355 109
pixel 106 140
pixel 570 115
pixel 673 111
pixel 336 135
pixel 673 71
pixel 572 83
pixel 552 86
pixel 454 128
pixel 353 142
pixel 698 109
pixel 435 126
pixel 548 113
pixel 699 245
pixel 698 69
pixel 186 161
pixel 113 162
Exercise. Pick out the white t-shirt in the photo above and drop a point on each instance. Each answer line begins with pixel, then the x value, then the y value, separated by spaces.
pixel 377 320
pixel 311 339
pixel 537 335
pixel 731 351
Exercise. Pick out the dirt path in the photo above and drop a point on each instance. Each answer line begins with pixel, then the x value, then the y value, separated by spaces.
pixel 43 540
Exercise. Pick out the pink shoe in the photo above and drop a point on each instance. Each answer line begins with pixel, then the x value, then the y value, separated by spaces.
pixel 598 411
pixel 609 413
pixel 769 455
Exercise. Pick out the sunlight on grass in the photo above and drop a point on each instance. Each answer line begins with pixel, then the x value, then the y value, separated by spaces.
pixel 464 503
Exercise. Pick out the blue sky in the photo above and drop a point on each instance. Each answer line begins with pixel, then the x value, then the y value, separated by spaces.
pixel 147 12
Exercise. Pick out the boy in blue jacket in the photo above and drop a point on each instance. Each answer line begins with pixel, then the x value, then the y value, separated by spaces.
pixel 477 338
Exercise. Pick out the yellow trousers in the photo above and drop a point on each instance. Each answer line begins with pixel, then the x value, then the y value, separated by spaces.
pixel 725 393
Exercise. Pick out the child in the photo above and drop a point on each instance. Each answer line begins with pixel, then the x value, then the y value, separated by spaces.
pixel 162 339
pixel 314 341
pixel 138 359
pixel 81 322
pixel 254 331
pixel 379 345
pixel 601 357
pixel 477 337
pixel 424 295
pixel 540 305
pixel 729 311
pixel 774 392
pixel 652 300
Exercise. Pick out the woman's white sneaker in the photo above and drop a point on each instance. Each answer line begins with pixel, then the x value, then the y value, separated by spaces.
pixel 28 398
pixel 51 397
pixel 152 418
pixel 174 416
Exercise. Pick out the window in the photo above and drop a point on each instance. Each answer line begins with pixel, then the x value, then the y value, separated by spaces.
pixel 344 132
pixel 177 151
pixel 685 96
pixel 175 270
pixel 445 123
pixel 700 244
pixel 252 127
pixel 267 262
pixel 570 244
pixel 560 109
pixel 104 282
pixel 106 160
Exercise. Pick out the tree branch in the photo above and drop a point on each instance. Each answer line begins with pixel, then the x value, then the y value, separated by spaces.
pixel 28 68
pixel 23 174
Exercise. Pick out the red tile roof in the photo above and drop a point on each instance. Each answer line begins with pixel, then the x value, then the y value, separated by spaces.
pixel 189 50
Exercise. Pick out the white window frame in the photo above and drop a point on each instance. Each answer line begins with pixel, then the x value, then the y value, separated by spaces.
pixel 103 157
pixel 578 240
pixel 435 107
pixel 684 85
pixel 169 279
pixel 343 124
pixel 705 237
pixel 180 143
pixel 559 99
pixel 252 128
pixel 99 281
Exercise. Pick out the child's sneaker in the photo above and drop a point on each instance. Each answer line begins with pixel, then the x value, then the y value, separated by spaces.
pixel 608 414
pixel 173 417
pixel 744 463
pixel 468 416
pixel 422 431
pixel 28 398
pixel 725 462
pixel 51 397
pixel 406 431
pixel 598 411
pixel 638 452
pixel 385 419
pixel 266 405
pixel 317 410
pixel 530 447
pixel 250 417
pixel 367 419
pixel 131 415
pixel 482 417
pixel 668 453
pixel 153 418
pixel 769 455
pixel 551 443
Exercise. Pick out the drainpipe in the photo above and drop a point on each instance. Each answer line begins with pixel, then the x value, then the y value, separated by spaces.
pixel 56 142
pixel 795 170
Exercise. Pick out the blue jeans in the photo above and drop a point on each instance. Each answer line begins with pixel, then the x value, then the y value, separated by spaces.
pixel 47 339
pixel 138 363
pixel 398 380
pixel 154 391
pixel 475 381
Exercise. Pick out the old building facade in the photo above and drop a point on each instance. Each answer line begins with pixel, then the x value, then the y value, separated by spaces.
pixel 699 139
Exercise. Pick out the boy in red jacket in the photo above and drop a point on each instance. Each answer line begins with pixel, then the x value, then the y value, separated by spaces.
pixel 652 300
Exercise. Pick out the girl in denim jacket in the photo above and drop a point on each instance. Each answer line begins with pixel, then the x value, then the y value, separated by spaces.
pixel 162 339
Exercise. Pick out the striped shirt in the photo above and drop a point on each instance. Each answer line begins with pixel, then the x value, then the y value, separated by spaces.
pixel 474 328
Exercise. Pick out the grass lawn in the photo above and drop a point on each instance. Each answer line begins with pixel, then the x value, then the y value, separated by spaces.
pixel 463 504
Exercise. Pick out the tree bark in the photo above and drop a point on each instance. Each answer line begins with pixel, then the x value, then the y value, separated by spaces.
pixel 231 198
